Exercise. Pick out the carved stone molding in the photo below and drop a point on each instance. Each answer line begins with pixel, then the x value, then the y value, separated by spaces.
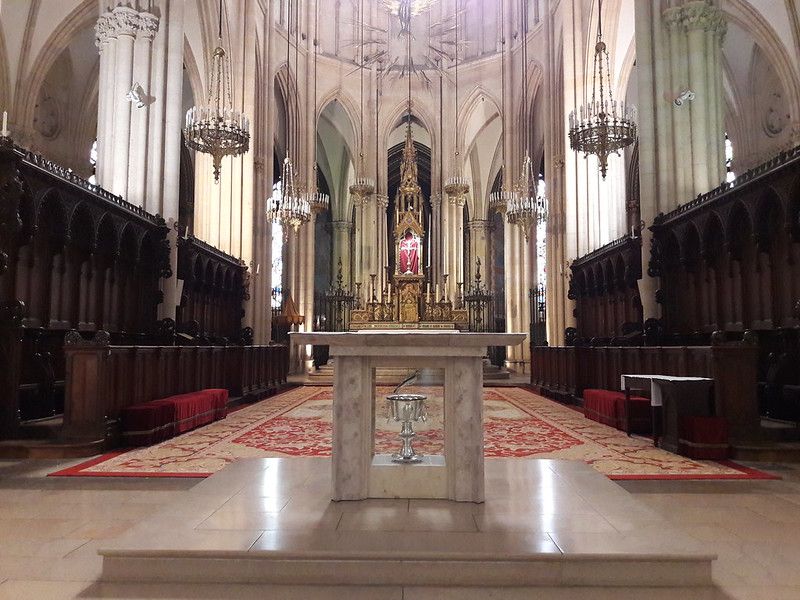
pixel 124 21
pixel 148 26
pixel 103 30
pixel 343 226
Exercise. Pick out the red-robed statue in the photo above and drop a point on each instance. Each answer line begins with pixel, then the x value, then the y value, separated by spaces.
pixel 409 254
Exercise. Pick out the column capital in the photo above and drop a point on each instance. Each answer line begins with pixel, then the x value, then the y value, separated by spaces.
pixel 479 225
pixel 346 226
pixel 124 21
pixel 103 30
pixel 695 15
pixel 148 26
pixel 382 200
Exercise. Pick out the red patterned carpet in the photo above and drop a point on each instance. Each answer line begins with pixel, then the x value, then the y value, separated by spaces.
pixel 518 423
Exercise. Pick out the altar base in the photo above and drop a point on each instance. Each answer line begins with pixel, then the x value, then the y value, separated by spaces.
pixel 545 528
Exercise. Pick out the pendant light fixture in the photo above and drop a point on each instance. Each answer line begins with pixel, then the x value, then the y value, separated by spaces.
pixel 603 126
pixel 526 208
pixel 500 199
pixel 363 186
pixel 291 208
pixel 456 187
pixel 318 201
pixel 217 128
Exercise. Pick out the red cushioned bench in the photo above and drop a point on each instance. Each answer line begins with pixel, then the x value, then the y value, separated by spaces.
pixel 609 407
pixel 158 420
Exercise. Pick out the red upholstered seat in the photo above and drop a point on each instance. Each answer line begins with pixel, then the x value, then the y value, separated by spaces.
pixel 148 423
pixel 600 406
pixel 703 438
pixel 608 407
pixel 152 422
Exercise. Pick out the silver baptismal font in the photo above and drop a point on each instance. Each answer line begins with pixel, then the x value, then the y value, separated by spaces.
pixel 407 409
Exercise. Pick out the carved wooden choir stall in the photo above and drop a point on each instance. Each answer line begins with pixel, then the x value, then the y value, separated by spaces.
pixel 74 257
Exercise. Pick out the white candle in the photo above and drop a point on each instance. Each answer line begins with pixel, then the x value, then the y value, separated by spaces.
pixel 437 293
pixel 4 132
pixel 390 290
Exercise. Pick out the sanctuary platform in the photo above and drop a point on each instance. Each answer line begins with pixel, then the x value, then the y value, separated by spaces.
pixel 557 529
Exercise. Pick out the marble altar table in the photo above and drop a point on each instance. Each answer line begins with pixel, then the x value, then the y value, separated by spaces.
pixel 357 472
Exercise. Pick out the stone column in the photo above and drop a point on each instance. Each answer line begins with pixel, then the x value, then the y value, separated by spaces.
pixel 680 145
pixel 381 204
pixel 105 40
pixel 126 23
pixel 147 26
pixel 341 247
pixel 479 248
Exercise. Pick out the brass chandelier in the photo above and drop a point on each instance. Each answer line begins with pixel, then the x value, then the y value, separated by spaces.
pixel 290 208
pixel 603 126
pixel 217 128
pixel 525 207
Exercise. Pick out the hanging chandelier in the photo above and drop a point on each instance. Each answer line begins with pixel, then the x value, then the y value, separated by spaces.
pixel 292 207
pixel 499 200
pixel 318 201
pixel 363 186
pixel 603 126
pixel 457 186
pixel 526 207
pixel 217 128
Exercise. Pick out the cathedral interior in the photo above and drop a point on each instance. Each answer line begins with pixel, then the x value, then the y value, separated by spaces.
pixel 187 186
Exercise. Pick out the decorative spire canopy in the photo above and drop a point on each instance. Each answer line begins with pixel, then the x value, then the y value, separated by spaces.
pixel 409 193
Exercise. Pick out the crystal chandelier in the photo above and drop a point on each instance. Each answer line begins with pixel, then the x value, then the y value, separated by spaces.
pixel 603 126
pixel 526 207
pixel 291 207
pixel 217 128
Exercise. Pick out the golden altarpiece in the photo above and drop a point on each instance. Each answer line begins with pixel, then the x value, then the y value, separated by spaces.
pixel 409 301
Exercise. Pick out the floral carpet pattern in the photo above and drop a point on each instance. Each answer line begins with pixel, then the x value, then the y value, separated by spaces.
pixel 517 423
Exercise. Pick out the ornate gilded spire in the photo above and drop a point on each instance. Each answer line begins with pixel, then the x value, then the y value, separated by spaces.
pixel 408 170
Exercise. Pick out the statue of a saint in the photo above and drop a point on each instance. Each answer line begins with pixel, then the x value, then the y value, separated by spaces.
pixel 409 254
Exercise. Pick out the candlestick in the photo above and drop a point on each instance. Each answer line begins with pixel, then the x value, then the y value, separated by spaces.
pixel 437 292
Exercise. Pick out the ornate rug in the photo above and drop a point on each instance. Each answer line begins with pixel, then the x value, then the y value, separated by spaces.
pixel 518 423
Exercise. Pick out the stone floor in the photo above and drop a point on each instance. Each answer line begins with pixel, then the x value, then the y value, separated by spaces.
pixel 51 529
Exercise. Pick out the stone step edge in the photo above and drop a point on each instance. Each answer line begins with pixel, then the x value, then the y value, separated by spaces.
pixel 535 570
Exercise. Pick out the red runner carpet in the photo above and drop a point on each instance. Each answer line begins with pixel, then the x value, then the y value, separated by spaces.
pixel 517 423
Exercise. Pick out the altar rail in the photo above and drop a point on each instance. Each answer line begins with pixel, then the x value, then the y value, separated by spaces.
pixel 102 379
pixel 563 372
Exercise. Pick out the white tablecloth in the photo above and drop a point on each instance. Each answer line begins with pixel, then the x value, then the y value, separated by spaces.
pixel 656 381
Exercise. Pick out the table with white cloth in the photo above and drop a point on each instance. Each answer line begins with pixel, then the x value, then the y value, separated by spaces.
pixel 671 397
